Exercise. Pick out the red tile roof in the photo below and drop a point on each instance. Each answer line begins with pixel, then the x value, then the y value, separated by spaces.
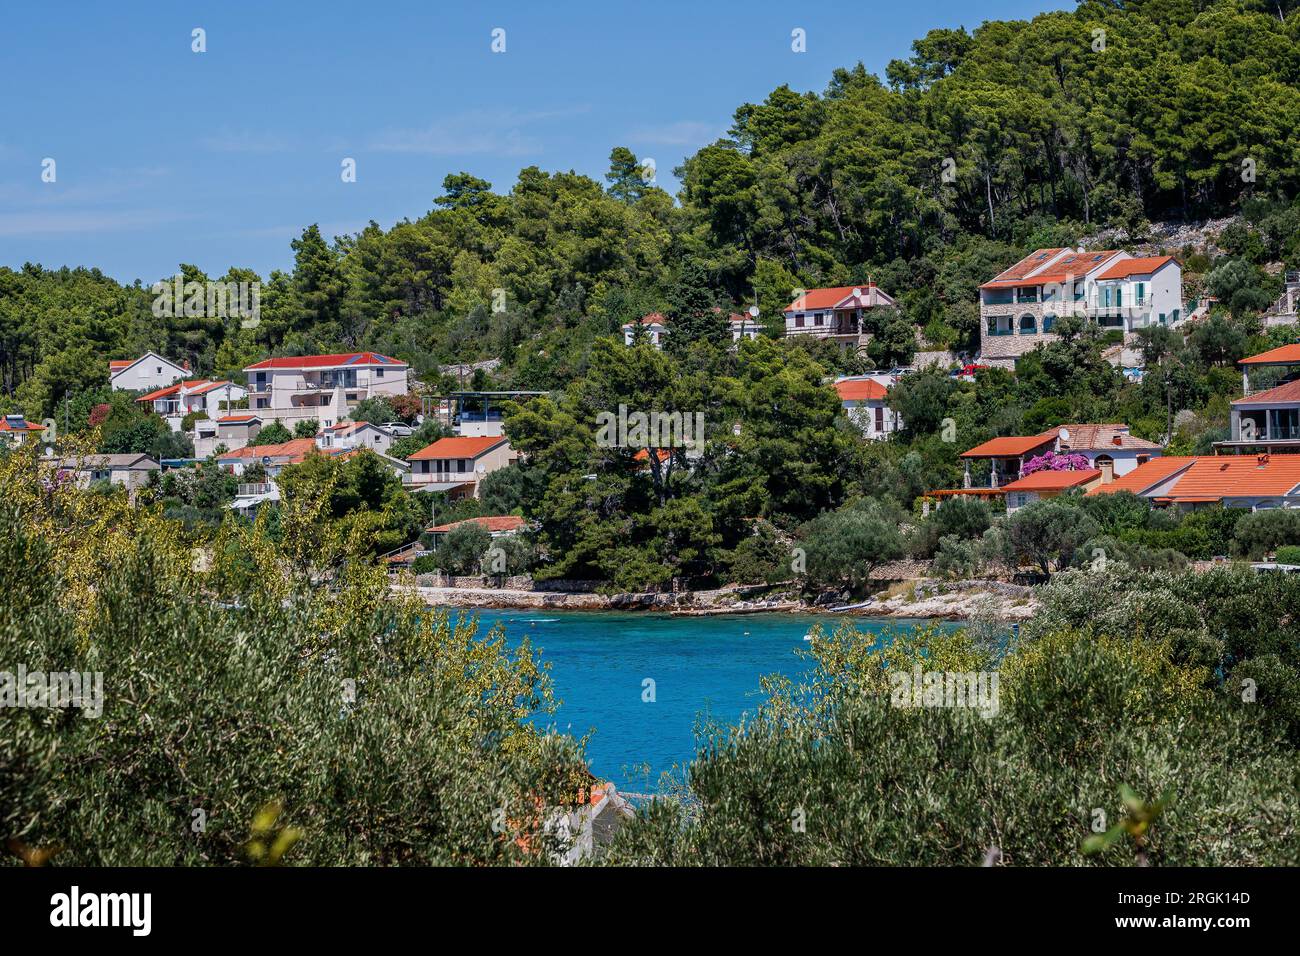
pixel 1147 475
pixel 238 419
pixel 121 363
pixel 489 523
pixel 461 447
pixel 860 390
pixel 825 298
pixel 1048 480
pixel 1012 446
pixel 1288 392
pixel 1282 355
pixel 350 359
pixel 1134 267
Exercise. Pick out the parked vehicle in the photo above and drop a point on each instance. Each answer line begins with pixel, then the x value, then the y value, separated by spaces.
pixel 398 429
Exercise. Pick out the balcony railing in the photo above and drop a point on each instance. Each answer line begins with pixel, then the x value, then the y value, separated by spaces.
pixel 425 478
pixel 254 488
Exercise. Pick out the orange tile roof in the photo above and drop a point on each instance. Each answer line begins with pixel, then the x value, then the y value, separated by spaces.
pixel 237 419
pixel 25 426
pixel 1048 480
pixel 860 390
pixel 1146 475
pixel 1282 355
pixel 1035 260
pixel 461 447
pixel 337 360
pixel 121 363
pixel 489 523
pixel 202 388
pixel 294 449
pixel 196 386
pixel 1286 392
pixel 1138 266
pixel 1076 264
pixel 1012 446
pixel 1211 478
pixel 663 454
pixel 825 298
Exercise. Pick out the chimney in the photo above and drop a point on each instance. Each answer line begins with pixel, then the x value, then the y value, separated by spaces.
pixel 1107 471
pixel 1117 440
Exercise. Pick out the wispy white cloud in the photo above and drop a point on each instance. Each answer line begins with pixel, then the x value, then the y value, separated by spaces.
pixel 62 222
pixel 227 140
pixel 500 132
pixel 680 133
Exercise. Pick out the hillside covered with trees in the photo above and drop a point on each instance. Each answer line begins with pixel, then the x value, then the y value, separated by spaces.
pixel 928 180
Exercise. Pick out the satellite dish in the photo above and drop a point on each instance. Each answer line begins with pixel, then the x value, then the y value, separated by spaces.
pixel 1065 434
pixel 857 293
pixel 753 311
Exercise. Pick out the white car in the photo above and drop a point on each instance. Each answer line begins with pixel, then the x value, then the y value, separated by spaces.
pixel 398 429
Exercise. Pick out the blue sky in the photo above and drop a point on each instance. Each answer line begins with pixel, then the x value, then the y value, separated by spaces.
pixel 220 158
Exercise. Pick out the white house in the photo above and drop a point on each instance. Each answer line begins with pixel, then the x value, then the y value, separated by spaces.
pixel 835 313
pixel 148 372
pixel 233 432
pixel 14 429
pixel 322 388
pixel 457 465
pixel 349 435
pixel 182 398
pixel 654 325
pixel 865 400
pixel 1019 307
pixel 743 326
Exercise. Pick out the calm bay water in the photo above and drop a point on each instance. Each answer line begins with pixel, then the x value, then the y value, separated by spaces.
pixel 702 667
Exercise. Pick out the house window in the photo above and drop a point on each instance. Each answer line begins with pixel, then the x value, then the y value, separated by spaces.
pixel 798 321
pixel 159 369
pixel 1028 325
pixel 1049 322
pixel 1140 295
pixel 379 373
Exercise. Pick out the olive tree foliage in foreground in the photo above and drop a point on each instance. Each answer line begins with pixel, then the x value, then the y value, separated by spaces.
pixel 250 680
pixel 833 773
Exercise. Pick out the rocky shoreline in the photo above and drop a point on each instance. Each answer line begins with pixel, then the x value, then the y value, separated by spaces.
pixel 960 600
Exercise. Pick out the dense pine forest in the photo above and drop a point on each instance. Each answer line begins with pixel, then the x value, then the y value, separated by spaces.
pixel 927 180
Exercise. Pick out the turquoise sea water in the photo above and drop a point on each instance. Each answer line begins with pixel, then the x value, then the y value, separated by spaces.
pixel 701 667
